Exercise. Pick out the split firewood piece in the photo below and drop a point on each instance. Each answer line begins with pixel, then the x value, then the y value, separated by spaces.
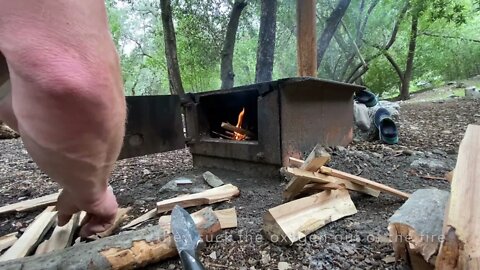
pixel 130 250
pixel 461 246
pixel 240 130
pixel 227 218
pixel 364 182
pixel 211 196
pixel 416 228
pixel 61 237
pixel 119 218
pixel 317 158
pixel 290 222
pixel 31 237
pixel 7 241
pixel 148 215
pixel 30 204
pixel 212 179
pixel 326 179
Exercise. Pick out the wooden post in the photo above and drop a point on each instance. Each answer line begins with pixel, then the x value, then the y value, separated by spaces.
pixel 306 38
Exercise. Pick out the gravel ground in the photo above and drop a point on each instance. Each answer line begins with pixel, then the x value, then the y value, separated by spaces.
pixel 429 137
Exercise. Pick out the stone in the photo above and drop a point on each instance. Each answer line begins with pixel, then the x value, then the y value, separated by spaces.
pixel 265 258
pixel 283 266
pixel 430 163
pixel 213 255
pixel 212 179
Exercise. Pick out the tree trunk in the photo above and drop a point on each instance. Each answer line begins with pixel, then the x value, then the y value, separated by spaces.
pixel 227 74
pixel 174 77
pixel 330 28
pixel 407 75
pixel 266 41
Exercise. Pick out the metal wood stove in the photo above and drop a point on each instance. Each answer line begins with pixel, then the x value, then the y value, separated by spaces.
pixel 285 118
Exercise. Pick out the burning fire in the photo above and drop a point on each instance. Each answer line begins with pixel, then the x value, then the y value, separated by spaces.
pixel 237 136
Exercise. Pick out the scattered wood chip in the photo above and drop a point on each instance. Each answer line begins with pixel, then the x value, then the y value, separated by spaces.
pixel 283 266
pixel 389 259
pixel 61 237
pixel 121 216
pixel 31 237
pixel 227 218
pixel 449 176
pixel 7 241
pixel 416 227
pixel 317 158
pixel 214 195
pixel 461 246
pixel 212 179
pixel 290 222
pixel 134 249
pixel 32 204
pixel 149 215
pixel 183 181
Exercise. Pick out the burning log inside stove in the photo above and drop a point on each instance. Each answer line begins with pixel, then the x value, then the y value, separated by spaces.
pixel 239 134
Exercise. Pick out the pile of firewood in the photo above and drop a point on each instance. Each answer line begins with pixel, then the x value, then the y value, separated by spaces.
pixel 298 217
pixel 129 250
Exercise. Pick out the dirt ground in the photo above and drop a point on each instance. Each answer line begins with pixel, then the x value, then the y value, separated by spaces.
pixel 430 133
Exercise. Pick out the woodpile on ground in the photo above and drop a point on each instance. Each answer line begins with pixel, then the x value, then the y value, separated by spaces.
pixel 44 243
pixel 299 217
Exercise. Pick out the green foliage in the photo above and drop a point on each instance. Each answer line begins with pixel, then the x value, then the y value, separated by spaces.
pixel 200 30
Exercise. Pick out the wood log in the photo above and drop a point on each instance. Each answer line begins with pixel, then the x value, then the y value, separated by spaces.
pixel 227 218
pixel 416 228
pixel 7 241
pixel 240 130
pixel 148 215
pixel 30 204
pixel 61 237
pixel 211 196
pixel 326 179
pixel 290 222
pixel 119 218
pixel 31 237
pixel 316 159
pixel 461 246
pixel 130 250
pixel 364 182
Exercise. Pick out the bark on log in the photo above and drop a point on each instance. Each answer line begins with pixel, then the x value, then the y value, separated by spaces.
pixel 416 228
pixel 130 250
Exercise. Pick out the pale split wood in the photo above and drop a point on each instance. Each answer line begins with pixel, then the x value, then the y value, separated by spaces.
pixel 327 179
pixel 416 228
pixel 292 221
pixel 364 182
pixel 148 215
pixel 461 246
pixel 8 240
pixel 30 204
pixel 31 237
pixel 130 250
pixel 61 237
pixel 211 196
pixel 315 160
pixel 226 217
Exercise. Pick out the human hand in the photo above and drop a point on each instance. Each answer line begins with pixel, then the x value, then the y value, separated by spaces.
pixel 100 214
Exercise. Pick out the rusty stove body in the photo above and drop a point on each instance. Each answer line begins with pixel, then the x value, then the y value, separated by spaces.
pixel 288 118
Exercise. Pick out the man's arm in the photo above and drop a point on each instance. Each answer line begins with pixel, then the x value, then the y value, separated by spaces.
pixel 67 98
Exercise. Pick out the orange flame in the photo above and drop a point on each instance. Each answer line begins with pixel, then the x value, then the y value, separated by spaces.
pixel 238 136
